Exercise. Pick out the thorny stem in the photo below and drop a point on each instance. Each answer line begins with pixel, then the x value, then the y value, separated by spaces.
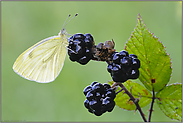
pixel 135 101
pixel 114 85
pixel 151 108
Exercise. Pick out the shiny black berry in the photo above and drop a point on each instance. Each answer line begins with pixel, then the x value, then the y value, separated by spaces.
pixel 100 98
pixel 87 89
pixel 135 63
pixel 98 87
pixel 90 95
pixel 106 86
pixel 116 58
pixel 134 74
pixel 93 83
pixel 108 102
pixel 124 66
pixel 94 104
pixel 133 56
pixel 86 104
pixel 110 93
pixel 78 36
pixel 88 40
pixel 123 53
pixel 80 48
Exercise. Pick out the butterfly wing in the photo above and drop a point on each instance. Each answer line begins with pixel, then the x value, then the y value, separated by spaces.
pixel 43 61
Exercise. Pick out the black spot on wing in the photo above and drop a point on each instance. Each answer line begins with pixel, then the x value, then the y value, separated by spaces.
pixel 30 55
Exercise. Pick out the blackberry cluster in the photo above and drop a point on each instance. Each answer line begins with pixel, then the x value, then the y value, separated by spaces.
pixel 123 66
pixel 80 48
pixel 100 98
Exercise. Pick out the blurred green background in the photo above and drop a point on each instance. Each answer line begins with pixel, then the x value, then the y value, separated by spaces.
pixel 25 23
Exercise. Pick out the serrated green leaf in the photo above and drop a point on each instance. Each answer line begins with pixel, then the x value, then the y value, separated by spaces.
pixel 155 70
pixel 170 101
pixel 122 99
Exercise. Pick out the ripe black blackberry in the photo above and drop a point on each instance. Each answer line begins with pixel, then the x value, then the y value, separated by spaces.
pixel 80 48
pixel 99 98
pixel 123 66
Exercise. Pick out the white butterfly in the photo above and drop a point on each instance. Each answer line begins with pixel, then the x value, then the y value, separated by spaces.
pixel 43 61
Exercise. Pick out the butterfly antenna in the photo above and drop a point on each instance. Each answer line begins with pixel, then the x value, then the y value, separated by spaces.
pixel 65 21
pixel 69 20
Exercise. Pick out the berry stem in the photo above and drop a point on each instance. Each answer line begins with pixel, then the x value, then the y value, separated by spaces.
pixel 119 91
pixel 113 85
pixel 151 108
pixel 134 101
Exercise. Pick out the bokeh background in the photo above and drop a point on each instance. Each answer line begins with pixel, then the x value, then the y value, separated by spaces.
pixel 25 23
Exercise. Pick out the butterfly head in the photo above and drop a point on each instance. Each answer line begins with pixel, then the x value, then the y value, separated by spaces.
pixel 63 31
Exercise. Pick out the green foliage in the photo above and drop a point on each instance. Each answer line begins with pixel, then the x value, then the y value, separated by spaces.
pixel 137 90
pixel 155 70
pixel 155 73
pixel 170 101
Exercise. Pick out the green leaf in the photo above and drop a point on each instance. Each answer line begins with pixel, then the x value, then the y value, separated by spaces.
pixel 170 101
pixel 122 99
pixel 155 70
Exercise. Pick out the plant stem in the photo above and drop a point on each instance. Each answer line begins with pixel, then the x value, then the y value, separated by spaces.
pixel 119 91
pixel 135 101
pixel 151 108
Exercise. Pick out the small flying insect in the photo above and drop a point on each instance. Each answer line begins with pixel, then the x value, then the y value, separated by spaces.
pixel 44 61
